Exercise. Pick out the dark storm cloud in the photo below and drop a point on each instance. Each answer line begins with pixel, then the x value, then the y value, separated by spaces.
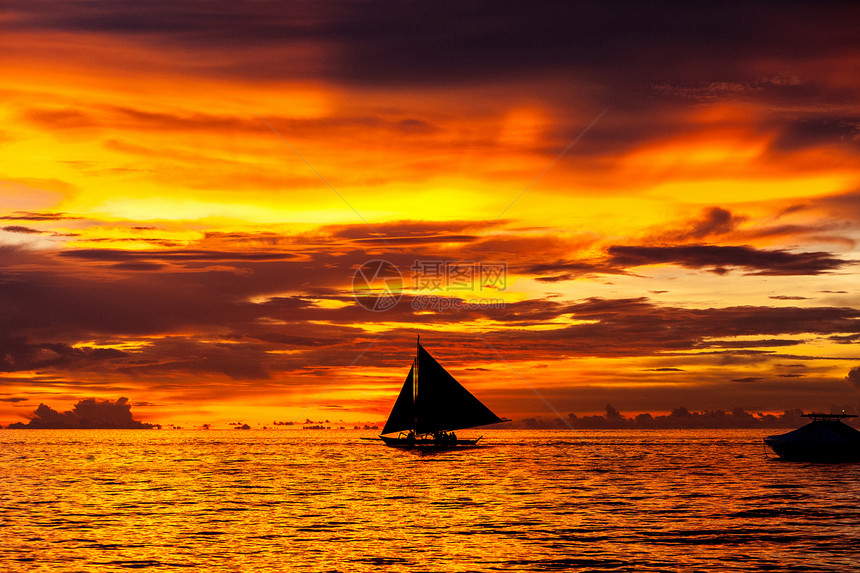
pixel 575 58
pixel 456 42
pixel 640 60
pixel 720 258
pixel 226 20
pixel 459 42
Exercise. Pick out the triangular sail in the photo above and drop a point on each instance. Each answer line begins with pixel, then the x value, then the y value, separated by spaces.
pixel 402 417
pixel 442 404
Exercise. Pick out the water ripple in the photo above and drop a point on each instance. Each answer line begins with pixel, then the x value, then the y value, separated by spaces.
pixel 327 501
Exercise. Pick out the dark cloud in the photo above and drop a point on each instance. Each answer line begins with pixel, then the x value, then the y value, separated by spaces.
pixel 391 42
pixel 235 237
pixel 398 42
pixel 714 258
pixel 682 417
pixel 854 377
pixel 638 327
pixel 292 340
pixel 554 279
pixel 666 369
pixel 421 240
pixel 817 130
pixel 62 118
pixel 570 269
pixel 713 221
pixel 138 266
pixel 721 258
pixel 89 413
pixel 118 255
pixel 815 232
pixel 411 229
pixel 17 354
pixel 842 206
pixel 849 339
pixel 19 229
pixel 36 216
pixel 243 326
pixel 576 57
pixel 186 354
pixel 13 400
pixel 766 343
pixel 140 119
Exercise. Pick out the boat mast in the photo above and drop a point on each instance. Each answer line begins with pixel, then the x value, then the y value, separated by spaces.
pixel 415 385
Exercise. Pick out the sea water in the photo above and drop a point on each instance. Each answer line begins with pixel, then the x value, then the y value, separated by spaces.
pixel 299 500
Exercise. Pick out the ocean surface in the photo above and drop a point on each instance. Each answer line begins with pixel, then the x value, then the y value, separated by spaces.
pixel 303 500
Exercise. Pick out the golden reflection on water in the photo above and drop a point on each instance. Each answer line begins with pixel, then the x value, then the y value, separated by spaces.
pixel 326 501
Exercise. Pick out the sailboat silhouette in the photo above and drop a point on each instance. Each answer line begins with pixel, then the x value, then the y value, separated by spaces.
pixel 431 405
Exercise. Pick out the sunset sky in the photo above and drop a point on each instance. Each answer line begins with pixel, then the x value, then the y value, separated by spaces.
pixel 187 189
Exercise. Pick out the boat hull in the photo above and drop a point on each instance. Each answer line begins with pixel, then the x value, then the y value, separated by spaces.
pixel 429 443
pixel 812 452
pixel 821 441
